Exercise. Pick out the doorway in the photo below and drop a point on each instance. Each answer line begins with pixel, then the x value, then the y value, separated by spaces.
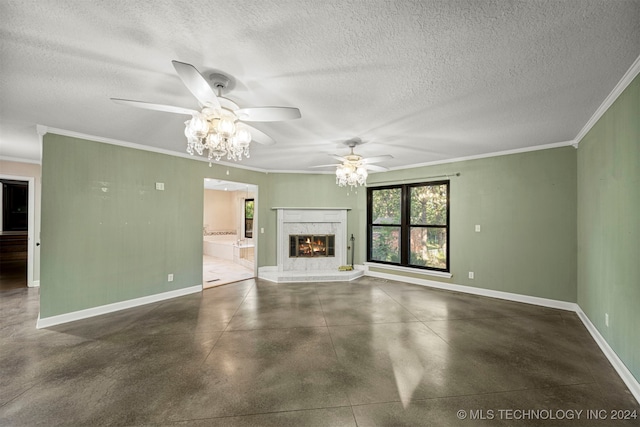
pixel 229 247
pixel 16 219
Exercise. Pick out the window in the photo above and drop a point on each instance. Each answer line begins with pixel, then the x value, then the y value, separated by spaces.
pixel 408 225
pixel 248 218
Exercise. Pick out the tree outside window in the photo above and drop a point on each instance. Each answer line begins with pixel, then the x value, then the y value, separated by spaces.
pixel 428 225
pixel 408 225
pixel 385 225
pixel 248 218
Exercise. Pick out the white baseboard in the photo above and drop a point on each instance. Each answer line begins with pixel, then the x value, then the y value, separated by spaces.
pixel 35 284
pixel 626 376
pixel 545 302
pixel 110 308
pixel 618 365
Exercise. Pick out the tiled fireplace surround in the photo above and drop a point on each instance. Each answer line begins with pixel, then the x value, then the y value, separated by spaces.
pixel 310 221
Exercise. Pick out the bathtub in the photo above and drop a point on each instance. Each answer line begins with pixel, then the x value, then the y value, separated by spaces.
pixel 220 246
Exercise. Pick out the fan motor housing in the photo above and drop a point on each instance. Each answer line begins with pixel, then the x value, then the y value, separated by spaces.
pixel 220 81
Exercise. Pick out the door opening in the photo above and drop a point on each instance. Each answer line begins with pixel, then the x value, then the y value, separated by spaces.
pixel 17 201
pixel 229 247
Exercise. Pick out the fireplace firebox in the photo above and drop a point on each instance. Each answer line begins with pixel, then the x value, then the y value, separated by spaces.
pixel 307 245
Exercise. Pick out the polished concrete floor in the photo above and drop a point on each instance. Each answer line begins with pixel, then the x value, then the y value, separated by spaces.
pixel 369 353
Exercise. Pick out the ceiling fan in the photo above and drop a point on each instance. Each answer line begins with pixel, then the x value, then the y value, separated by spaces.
pixel 353 169
pixel 219 125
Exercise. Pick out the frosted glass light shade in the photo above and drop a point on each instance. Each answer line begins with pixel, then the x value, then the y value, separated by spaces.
pixel 199 126
pixel 226 127
pixel 243 137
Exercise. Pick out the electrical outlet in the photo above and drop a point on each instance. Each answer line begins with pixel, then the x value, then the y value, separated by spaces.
pixel 160 186
pixel 471 275
pixel 477 228
pixel 170 278
pixel 606 319
pixel 261 230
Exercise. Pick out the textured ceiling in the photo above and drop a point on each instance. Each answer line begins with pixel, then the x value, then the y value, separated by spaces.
pixel 422 80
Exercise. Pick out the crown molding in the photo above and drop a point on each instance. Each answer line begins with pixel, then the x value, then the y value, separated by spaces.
pixel 19 160
pixel 454 160
pixel 42 130
pixel 486 155
pixel 301 172
pixel 628 77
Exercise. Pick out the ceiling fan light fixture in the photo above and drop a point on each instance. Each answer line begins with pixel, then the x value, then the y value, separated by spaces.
pixel 199 126
pixel 351 174
pixel 211 113
pixel 197 145
pixel 213 140
pixel 353 170
pixel 214 126
pixel 226 127
pixel 190 145
pixel 217 132
pixel 243 137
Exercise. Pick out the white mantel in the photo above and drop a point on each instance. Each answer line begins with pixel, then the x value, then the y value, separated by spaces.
pixel 311 221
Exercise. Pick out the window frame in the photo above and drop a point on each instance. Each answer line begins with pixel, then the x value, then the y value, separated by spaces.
pixel 248 231
pixel 406 226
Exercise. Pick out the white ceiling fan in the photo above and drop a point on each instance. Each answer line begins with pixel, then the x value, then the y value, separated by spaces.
pixel 219 126
pixel 353 169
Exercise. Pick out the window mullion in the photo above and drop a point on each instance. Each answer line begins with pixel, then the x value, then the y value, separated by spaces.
pixel 404 225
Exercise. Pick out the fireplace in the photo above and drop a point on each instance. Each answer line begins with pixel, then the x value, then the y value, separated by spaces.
pixel 308 245
pixel 325 229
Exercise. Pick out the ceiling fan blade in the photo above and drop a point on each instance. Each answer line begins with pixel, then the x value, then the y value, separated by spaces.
pixel 268 114
pixel 258 136
pixel 227 103
pixel 325 166
pixel 376 168
pixel 156 107
pixel 377 159
pixel 196 84
pixel 340 158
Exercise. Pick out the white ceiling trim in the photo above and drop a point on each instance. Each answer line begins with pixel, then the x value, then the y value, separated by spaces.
pixel 42 130
pixel 628 77
pixel 455 160
pixel 495 154
pixel 18 160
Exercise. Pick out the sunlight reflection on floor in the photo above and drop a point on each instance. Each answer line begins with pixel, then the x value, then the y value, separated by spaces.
pixel 407 369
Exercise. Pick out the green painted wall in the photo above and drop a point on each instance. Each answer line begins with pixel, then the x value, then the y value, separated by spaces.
pixel 101 247
pixel 609 226
pixel 311 190
pixel 526 207
pixel 107 234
